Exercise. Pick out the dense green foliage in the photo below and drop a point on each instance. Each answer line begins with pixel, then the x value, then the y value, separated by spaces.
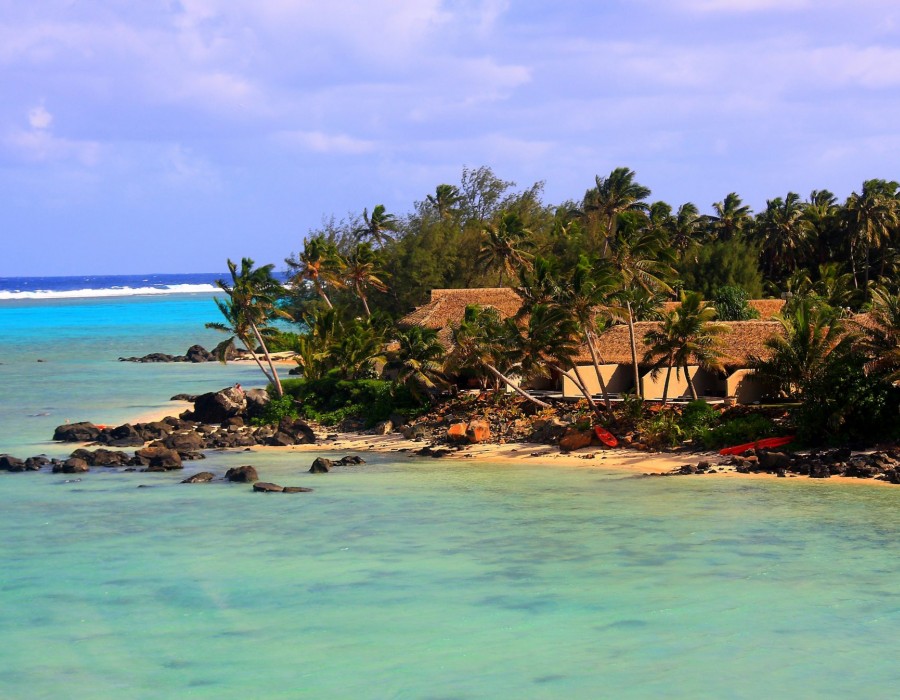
pixel 738 431
pixel 330 400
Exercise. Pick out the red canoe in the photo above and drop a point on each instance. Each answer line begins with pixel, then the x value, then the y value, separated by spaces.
pixel 765 442
pixel 606 437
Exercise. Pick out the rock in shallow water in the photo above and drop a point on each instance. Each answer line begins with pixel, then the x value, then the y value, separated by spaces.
pixel 244 475
pixel 199 478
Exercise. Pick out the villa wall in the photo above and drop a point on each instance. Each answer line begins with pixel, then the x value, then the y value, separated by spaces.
pixel 706 383
pixel 744 386
pixel 617 377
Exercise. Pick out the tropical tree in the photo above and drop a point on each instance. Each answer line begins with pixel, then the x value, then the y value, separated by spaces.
pixel 820 212
pixel 445 200
pixel 813 339
pixel 590 296
pixel 872 215
pixel 504 245
pixel 783 233
pixel 378 227
pixel 641 260
pixel 484 341
pixel 318 264
pixel 418 360
pixel 730 218
pixel 684 227
pixel 881 338
pixel 611 196
pixel 251 303
pixel 354 352
pixel 360 273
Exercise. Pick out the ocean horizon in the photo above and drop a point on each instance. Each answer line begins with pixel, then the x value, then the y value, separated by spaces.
pixel 404 577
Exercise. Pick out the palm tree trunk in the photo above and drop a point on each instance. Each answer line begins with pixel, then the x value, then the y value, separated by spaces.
pixel 690 383
pixel 576 380
pixel 365 303
pixel 590 342
pixel 278 388
pixel 256 360
pixel 666 383
pixel 322 294
pixel 634 362
pixel 521 392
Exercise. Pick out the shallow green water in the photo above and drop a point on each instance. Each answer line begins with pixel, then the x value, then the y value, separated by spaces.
pixel 403 579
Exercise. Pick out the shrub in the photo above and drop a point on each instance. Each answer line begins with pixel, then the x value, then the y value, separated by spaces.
pixel 662 430
pixel 276 409
pixel 738 431
pixel 330 400
pixel 697 417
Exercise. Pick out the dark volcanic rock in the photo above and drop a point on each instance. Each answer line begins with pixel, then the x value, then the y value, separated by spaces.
pixel 76 432
pixel 159 459
pixel 817 470
pixel 73 465
pixel 348 460
pixel 279 439
pixel 298 429
pixel 770 461
pixel 33 464
pixel 11 464
pixel 257 400
pixel 197 353
pixel 199 478
pixel 218 406
pixel 102 457
pixel 296 489
pixel 321 465
pixel 245 475
pixel 184 441
pixel 267 487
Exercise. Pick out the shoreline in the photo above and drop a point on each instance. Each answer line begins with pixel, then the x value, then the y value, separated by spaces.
pixel 601 458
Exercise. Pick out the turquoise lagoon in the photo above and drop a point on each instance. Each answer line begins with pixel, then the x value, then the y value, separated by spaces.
pixel 405 578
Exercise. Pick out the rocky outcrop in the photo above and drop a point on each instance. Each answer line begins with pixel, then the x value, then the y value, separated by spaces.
pixel 76 432
pixel 104 458
pixel 321 465
pixel 199 478
pixel 159 459
pixel 478 431
pixel 574 439
pixel 195 353
pixel 218 406
pixel 73 465
pixel 267 487
pixel 457 433
pixel 244 475
pixel 8 463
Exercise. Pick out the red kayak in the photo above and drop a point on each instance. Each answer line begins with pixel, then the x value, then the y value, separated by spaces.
pixel 606 437
pixel 765 442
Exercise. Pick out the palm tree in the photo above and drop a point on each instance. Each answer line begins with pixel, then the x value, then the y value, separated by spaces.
pixel 359 273
pixel 784 234
pixel 590 296
pixel 483 340
pixel 379 226
pixel 820 214
pixel 882 334
pixel 730 218
pixel 319 264
pixel 418 359
pixel 872 215
pixel 684 227
pixel 814 337
pixel 251 303
pixel 504 245
pixel 663 344
pixel 538 284
pixel 641 260
pixel 354 352
pixel 444 200
pixel 614 195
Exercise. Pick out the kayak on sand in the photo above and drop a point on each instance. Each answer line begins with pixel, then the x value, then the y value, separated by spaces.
pixel 765 443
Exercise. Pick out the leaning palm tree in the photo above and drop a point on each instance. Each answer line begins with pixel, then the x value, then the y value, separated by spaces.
pixel 504 245
pixel 251 302
pixel 613 195
pixel 684 227
pixel 662 347
pixel 360 273
pixel 319 264
pixel 590 295
pixel 379 226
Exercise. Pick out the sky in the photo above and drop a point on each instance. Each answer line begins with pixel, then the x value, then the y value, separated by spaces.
pixel 169 135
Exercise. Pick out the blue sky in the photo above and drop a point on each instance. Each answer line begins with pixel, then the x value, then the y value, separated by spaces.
pixel 165 136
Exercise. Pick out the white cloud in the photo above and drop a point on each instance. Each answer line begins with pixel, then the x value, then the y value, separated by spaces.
pixel 39 145
pixel 320 142
pixel 39 118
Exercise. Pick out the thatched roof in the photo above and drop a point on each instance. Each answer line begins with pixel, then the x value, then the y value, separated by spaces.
pixel 447 308
pixel 742 340
pixel 767 308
